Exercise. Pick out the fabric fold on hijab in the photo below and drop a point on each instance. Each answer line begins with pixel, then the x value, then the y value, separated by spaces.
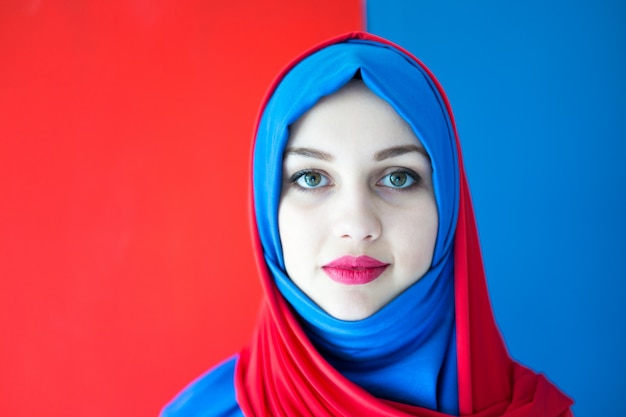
pixel 435 349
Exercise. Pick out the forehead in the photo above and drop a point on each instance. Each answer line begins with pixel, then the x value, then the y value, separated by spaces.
pixel 352 117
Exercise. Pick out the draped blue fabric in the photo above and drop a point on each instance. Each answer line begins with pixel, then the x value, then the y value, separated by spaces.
pixel 210 395
pixel 405 352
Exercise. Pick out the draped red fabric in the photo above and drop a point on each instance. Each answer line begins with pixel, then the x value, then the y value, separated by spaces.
pixel 490 383
pixel 281 374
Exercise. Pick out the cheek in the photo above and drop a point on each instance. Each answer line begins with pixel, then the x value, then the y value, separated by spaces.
pixel 299 231
pixel 414 235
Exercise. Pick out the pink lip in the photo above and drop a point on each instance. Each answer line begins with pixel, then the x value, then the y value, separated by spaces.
pixel 351 270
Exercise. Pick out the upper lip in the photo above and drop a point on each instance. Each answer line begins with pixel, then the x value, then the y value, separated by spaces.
pixel 355 262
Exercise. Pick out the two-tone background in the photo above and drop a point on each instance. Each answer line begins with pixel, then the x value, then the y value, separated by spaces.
pixel 125 134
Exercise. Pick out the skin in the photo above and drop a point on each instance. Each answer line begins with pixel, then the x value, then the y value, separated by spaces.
pixel 356 182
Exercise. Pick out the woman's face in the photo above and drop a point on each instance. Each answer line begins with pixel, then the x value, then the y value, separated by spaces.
pixel 357 216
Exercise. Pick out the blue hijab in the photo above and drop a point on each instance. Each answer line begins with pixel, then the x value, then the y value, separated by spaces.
pixel 405 352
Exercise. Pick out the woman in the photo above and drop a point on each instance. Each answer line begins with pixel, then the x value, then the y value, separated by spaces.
pixel 376 301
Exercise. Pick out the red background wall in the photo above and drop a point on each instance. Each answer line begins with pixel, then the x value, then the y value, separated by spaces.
pixel 125 129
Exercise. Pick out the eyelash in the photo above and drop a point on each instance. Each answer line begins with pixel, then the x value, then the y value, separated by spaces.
pixel 293 180
pixel 414 177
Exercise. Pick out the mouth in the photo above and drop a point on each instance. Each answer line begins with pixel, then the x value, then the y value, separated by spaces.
pixel 351 270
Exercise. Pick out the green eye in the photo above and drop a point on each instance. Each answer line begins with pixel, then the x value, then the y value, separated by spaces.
pixel 311 179
pixel 398 179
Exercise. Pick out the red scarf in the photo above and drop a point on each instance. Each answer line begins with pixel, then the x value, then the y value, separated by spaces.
pixel 281 374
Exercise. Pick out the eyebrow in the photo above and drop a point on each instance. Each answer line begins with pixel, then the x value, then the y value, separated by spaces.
pixel 378 156
pixel 310 153
pixel 400 150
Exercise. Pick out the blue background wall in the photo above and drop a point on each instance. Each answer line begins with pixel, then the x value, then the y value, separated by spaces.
pixel 539 94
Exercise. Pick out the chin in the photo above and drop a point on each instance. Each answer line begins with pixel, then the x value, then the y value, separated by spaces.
pixel 351 315
pixel 354 307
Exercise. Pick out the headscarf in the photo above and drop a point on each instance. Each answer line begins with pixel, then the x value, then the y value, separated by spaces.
pixel 435 349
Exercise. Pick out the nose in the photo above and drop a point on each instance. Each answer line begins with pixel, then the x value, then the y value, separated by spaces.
pixel 356 216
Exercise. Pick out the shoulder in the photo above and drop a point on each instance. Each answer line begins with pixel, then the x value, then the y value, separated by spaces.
pixel 210 395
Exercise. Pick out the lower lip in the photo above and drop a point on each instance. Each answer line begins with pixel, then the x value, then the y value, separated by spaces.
pixel 354 276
